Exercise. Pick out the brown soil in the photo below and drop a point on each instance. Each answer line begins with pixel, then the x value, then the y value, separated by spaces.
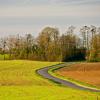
pixel 84 72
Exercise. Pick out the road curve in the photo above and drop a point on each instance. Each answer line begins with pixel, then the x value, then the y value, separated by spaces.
pixel 44 72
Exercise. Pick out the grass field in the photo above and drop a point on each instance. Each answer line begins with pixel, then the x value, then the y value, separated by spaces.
pixel 2 56
pixel 19 81
pixel 85 72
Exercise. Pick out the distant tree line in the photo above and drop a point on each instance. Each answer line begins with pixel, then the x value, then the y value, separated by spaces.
pixel 50 45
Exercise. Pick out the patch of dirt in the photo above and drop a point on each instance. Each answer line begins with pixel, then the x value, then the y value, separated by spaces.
pixel 84 72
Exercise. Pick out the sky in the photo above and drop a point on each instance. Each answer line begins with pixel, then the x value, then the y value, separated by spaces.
pixel 31 16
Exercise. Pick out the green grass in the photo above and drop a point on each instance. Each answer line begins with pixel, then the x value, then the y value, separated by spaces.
pixel 2 56
pixel 19 81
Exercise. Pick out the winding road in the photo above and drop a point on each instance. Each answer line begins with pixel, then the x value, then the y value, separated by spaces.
pixel 44 73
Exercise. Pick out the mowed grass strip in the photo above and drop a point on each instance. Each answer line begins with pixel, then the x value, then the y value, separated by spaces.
pixel 19 81
pixel 84 72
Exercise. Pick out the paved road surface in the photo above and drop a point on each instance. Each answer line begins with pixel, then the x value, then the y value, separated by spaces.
pixel 44 72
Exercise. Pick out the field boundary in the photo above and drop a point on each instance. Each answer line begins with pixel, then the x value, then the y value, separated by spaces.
pixel 48 73
pixel 51 71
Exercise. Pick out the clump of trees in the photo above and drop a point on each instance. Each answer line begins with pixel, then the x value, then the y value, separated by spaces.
pixel 91 40
pixel 50 45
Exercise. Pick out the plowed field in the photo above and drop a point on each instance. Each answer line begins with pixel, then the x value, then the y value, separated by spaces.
pixel 84 72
